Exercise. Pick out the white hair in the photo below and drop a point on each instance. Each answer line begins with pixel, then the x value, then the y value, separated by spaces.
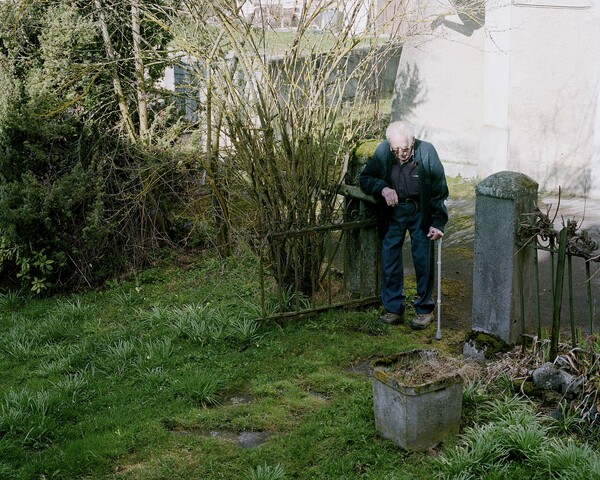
pixel 400 128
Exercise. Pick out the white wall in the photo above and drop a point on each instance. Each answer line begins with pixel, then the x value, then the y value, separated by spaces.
pixel 447 69
pixel 521 94
pixel 554 76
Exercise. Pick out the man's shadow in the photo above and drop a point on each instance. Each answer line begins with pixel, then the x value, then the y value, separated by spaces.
pixel 471 14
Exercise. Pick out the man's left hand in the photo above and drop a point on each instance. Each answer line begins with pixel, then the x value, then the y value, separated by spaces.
pixel 435 233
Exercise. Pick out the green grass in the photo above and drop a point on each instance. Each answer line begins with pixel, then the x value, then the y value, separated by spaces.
pixel 278 42
pixel 132 378
pixel 512 441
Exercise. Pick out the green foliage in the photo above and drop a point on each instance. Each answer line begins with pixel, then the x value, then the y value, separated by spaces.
pixel 96 373
pixel 74 210
pixel 286 300
pixel 157 352
pixel 367 324
pixel 34 269
pixel 19 344
pixel 568 420
pixel 513 442
pixel 11 300
pixel 266 472
pixel 47 198
pixel 25 416
pixel 474 394
pixel 199 387
pixel 204 324
pixel 45 189
pixel 76 202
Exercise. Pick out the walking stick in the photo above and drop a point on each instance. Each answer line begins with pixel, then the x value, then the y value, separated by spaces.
pixel 438 334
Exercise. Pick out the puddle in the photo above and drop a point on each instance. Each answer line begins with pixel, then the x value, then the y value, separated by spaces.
pixel 219 435
pixel 242 440
pixel 319 395
pixel 360 368
pixel 252 439
pixel 239 400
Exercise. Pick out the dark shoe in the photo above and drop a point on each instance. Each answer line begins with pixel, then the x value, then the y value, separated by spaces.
pixel 421 321
pixel 390 318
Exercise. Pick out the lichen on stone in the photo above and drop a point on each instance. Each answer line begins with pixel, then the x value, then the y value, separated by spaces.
pixel 487 343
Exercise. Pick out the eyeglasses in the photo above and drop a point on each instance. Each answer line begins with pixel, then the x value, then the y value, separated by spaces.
pixel 397 151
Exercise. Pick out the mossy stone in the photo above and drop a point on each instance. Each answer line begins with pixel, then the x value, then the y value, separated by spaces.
pixel 490 344
pixel 365 151
pixel 361 155
pixel 526 387
pixel 507 185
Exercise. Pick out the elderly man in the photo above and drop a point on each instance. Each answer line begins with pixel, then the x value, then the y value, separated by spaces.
pixel 406 176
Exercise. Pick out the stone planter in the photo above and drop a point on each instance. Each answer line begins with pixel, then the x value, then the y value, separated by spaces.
pixel 415 416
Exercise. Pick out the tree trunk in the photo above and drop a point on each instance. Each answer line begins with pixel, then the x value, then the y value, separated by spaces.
pixel 114 73
pixel 139 69
pixel 220 196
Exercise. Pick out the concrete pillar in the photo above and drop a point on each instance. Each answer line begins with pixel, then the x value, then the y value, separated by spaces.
pixel 503 201
pixel 361 254
pixel 362 251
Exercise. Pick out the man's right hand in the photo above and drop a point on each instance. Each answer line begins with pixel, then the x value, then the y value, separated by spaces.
pixel 390 196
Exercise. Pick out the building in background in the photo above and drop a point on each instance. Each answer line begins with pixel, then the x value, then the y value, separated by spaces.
pixel 362 15
pixel 512 85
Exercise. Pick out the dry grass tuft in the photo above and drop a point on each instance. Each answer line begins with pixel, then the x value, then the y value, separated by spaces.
pixel 425 367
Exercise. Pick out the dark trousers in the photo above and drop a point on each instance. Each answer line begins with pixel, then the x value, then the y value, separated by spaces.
pixel 406 218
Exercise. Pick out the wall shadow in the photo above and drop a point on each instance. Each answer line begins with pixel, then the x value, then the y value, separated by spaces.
pixel 471 14
pixel 408 93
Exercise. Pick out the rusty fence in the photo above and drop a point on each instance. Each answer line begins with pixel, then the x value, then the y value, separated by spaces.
pixel 569 254
pixel 336 265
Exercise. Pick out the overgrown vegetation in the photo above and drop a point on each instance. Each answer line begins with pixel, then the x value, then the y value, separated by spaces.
pixel 278 130
pixel 84 190
pixel 511 440
pixel 100 166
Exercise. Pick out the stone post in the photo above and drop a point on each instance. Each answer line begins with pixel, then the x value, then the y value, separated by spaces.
pixel 362 247
pixel 503 201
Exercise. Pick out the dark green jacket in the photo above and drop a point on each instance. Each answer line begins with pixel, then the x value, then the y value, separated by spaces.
pixel 433 189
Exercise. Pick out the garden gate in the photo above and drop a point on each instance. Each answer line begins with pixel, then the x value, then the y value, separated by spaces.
pixel 345 257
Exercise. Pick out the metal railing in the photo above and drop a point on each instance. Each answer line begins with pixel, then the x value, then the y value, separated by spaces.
pixel 562 247
pixel 341 272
